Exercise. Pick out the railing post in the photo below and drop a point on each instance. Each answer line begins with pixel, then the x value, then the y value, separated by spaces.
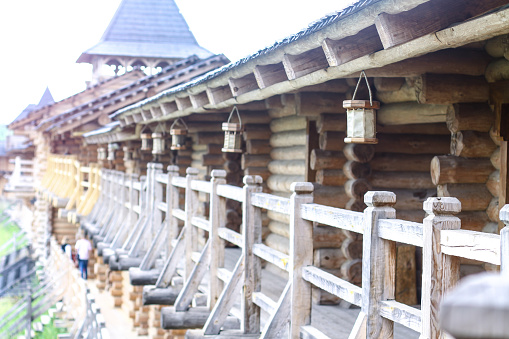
pixel 252 234
pixel 158 197
pixel 190 206
pixel 172 202
pixel 440 272
pixel 504 241
pixel 217 217
pixel 301 255
pixel 378 264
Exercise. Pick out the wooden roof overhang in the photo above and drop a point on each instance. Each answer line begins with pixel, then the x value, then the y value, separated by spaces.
pixel 66 104
pixel 101 106
pixel 385 37
pixel 112 133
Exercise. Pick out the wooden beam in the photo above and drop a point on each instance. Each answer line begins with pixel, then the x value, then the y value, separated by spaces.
pixel 169 107
pixel 243 85
pixel 267 75
pixel 199 100
pixel 183 103
pixel 218 94
pixel 156 111
pixel 432 16
pixel 312 143
pixel 315 103
pixel 341 51
pixel 305 63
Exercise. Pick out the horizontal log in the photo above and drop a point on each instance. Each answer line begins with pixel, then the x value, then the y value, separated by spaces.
pixel 258 146
pixel 321 160
pixel 278 243
pixel 411 180
pixel 356 188
pixel 215 148
pixel 288 167
pixel 251 160
pixel 351 271
pixel 495 158
pixel 334 196
pixel 473 197
pixel 355 205
pixel 403 94
pixel 138 277
pixel 250 135
pixel 413 144
pixel 331 177
pixel 493 183
pixel 471 144
pixel 331 141
pixel 408 199
pixel 331 122
pixel 497 70
pixel 213 160
pixel 401 162
pixel 352 249
pixel 359 153
pixel 356 170
pixel 205 138
pixel 450 89
pixel 254 117
pixel 411 215
pixel 279 182
pixel 327 237
pixel 195 317
pixel 388 84
pixel 470 117
pixel 331 258
pixel 288 138
pixel 291 123
pixel 288 153
pixel 280 228
pixel 160 296
pixel 315 103
pixel 452 169
pixel 283 218
pixel 403 113
pixel 231 166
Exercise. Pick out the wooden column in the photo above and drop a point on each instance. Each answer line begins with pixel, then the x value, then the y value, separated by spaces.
pixel 190 206
pixel 172 202
pixel 378 264
pixel 252 234
pixel 440 272
pixel 217 217
pixel 301 255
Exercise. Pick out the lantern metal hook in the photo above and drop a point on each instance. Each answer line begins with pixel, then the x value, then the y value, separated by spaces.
pixel 238 115
pixel 367 84
pixel 176 122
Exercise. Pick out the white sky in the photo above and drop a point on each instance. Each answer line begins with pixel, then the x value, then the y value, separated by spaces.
pixel 41 39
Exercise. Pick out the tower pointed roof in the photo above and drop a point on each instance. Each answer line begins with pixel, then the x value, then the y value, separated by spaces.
pixel 46 99
pixel 147 28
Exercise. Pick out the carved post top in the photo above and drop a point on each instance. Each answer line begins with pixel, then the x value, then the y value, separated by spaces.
pixel 379 198
pixel 157 166
pixel 217 173
pixel 302 187
pixel 442 205
pixel 172 169
pixel 192 171
pixel 504 214
pixel 252 180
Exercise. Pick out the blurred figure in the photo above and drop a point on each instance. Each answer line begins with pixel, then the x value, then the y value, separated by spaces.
pixel 83 248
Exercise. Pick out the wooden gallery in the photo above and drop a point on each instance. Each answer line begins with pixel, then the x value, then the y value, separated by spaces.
pixel 335 184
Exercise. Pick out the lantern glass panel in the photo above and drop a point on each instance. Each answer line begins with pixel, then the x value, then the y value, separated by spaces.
pixel 361 123
pixel 146 142
pixel 178 139
pixel 157 143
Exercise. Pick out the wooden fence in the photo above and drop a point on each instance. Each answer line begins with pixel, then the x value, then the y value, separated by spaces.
pixel 146 233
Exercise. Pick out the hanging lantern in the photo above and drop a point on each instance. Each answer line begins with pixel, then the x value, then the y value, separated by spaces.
pixel 178 132
pixel 146 140
pixel 158 140
pixel 128 153
pixel 232 134
pixel 111 151
pixel 361 117
pixel 101 153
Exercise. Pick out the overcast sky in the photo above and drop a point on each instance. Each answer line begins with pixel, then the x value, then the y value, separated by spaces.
pixel 41 39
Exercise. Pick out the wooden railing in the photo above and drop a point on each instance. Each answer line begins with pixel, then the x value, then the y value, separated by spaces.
pixel 69 185
pixel 439 235
pixel 21 177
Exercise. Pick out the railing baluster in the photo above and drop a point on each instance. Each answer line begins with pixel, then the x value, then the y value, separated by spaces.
pixel 440 272
pixel 504 241
pixel 217 217
pixel 301 255
pixel 252 234
pixel 190 206
pixel 378 264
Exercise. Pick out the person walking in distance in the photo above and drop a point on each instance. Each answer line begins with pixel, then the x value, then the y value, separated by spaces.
pixel 83 248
